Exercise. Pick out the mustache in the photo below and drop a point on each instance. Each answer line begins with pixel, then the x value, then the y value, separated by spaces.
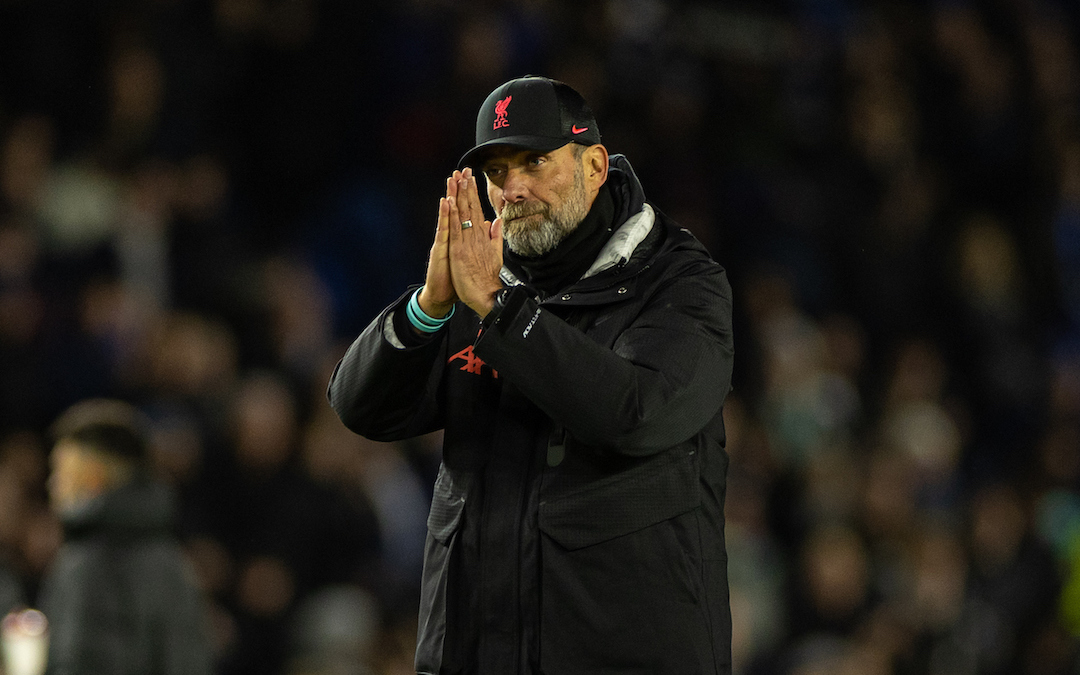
pixel 515 211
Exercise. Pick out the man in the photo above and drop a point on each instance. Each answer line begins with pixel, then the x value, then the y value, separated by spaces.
pixel 119 597
pixel 578 373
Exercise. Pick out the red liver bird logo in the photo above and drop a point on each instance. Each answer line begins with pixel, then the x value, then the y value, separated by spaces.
pixel 500 113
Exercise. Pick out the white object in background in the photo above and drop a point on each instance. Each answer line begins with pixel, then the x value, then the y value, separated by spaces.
pixel 24 635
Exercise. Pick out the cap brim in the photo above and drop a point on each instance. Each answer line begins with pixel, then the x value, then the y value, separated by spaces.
pixel 540 143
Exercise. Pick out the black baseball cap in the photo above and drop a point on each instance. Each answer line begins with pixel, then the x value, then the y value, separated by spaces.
pixel 533 113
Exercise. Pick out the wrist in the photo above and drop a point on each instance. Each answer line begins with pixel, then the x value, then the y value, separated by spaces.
pixel 421 320
pixel 436 310
pixel 506 302
pixel 488 302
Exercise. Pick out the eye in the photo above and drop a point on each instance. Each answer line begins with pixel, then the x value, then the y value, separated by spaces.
pixel 535 160
pixel 494 171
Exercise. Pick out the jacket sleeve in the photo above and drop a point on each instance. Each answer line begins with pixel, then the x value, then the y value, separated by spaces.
pixel 384 389
pixel 663 380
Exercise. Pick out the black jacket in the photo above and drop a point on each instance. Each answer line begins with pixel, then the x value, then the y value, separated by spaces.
pixel 577 520
pixel 120 597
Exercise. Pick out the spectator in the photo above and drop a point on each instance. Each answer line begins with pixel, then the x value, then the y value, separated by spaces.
pixel 119 596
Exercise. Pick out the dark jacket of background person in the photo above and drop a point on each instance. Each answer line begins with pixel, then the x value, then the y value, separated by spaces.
pixel 577 519
pixel 119 597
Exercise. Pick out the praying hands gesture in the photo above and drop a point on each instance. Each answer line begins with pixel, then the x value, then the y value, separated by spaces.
pixel 466 256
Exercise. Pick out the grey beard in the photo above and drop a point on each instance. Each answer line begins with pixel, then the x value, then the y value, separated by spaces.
pixel 533 242
pixel 554 226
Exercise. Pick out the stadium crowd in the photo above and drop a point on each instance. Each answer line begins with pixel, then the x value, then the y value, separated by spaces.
pixel 203 201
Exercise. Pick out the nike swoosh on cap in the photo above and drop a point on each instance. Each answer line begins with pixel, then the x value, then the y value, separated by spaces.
pixel 576 130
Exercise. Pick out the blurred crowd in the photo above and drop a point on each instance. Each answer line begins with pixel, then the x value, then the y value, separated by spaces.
pixel 203 201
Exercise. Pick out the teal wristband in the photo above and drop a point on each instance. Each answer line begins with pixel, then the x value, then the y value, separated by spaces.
pixel 420 319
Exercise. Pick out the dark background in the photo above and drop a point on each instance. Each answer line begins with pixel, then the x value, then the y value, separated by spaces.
pixel 202 202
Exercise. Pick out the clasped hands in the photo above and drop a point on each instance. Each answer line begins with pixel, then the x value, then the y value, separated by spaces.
pixel 464 264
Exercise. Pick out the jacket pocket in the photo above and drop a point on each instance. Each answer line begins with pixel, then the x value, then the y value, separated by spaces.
pixel 645 495
pixel 447 504
pixel 444 521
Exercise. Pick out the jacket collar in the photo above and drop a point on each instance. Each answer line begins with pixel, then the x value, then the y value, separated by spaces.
pixel 624 241
pixel 618 249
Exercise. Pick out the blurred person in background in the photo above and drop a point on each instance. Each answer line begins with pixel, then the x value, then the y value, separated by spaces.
pixel 577 523
pixel 266 532
pixel 119 596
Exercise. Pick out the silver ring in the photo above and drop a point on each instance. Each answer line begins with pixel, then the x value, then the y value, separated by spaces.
pixel 466 224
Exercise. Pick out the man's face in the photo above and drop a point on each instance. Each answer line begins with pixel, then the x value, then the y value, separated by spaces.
pixel 541 196
pixel 75 476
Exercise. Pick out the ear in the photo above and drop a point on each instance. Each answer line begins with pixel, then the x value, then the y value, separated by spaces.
pixel 595 164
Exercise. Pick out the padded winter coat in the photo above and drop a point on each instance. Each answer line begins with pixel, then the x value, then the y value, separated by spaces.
pixel 577 518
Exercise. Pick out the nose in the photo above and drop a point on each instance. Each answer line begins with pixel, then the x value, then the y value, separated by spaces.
pixel 515 186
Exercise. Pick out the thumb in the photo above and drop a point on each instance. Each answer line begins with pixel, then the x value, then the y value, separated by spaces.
pixel 496 230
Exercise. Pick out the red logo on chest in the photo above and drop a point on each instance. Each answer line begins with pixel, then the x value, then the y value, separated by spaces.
pixel 500 113
pixel 473 364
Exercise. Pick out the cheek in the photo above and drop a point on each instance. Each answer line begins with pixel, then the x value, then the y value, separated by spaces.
pixel 561 185
pixel 59 487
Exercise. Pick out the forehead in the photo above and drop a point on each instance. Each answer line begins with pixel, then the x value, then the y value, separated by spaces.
pixel 67 452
